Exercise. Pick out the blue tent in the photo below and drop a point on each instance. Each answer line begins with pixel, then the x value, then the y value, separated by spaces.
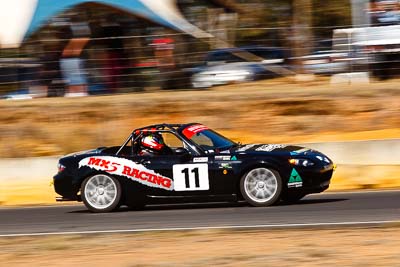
pixel 46 9
pixel 19 21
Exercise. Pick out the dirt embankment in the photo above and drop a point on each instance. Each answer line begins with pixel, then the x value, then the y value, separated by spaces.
pixel 340 247
pixel 266 111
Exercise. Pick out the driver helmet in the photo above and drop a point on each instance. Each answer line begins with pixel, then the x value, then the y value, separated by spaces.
pixel 153 142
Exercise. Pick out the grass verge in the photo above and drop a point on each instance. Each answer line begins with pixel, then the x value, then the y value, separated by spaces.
pixel 315 247
pixel 265 111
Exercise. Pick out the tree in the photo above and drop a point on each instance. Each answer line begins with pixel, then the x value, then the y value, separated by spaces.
pixel 302 38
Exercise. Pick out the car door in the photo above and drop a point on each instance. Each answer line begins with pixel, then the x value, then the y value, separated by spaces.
pixel 224 170
pixel 195 175
pixel 190 173
pixel 189 178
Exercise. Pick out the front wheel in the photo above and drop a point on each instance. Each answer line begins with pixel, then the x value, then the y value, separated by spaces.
pixel 101 193
pixel 261 187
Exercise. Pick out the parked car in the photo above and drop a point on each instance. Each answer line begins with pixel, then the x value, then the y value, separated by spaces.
pixel 224 66
pixel 326 62
pixel 18 95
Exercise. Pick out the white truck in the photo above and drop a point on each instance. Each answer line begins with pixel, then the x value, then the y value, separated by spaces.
pixel 376 49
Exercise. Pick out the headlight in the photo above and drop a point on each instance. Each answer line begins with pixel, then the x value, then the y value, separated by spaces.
pixel 323 159
pixel 301 162
pixel 60 167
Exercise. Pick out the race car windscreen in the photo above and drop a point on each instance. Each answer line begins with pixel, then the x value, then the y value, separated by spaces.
pixel 207 139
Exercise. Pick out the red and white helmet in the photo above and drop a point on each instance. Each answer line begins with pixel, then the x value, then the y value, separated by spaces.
pixel 153 142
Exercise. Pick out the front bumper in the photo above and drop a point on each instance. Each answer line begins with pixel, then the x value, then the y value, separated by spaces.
pixel 314 180
pixel 65 188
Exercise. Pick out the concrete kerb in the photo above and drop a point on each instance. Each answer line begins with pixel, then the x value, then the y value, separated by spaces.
pixel 361 164
pixel 371 152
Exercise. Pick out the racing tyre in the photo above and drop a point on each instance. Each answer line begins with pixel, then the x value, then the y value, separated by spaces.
pixel 292 198
pixel 101 193
pixel 261 187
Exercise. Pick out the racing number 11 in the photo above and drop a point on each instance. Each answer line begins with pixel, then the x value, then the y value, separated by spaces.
pixel 190 177
pixel 196 177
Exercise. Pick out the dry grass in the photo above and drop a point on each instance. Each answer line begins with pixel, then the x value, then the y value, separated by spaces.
pixel 29 192
pixel 268 111
pixel 340 247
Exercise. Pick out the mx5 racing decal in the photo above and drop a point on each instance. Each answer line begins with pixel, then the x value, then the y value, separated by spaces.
pixel 129 169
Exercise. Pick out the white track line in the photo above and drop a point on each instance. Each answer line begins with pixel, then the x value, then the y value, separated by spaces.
pixel 232 227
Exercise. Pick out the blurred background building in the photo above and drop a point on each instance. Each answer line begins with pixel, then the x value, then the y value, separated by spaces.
pixel 80 47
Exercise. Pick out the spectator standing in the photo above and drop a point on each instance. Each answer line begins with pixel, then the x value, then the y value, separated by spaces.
pixel 164 54
pixel 51 73
pixel 72 64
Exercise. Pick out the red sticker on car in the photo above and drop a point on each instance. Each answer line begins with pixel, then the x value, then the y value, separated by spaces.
pixel 194 129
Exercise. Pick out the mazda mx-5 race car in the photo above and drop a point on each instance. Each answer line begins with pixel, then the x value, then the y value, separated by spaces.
pixel 200 166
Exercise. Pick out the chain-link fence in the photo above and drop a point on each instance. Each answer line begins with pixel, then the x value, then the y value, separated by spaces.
pixel 128 63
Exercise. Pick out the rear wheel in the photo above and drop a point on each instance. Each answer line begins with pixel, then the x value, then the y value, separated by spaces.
pixel 101 193
pixel 261 187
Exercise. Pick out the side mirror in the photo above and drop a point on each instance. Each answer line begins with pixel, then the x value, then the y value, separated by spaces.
pixel 181 151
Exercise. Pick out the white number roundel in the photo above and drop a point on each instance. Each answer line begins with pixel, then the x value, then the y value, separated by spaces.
pixel 190 177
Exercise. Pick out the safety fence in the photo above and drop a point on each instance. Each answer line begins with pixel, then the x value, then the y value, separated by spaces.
pixel 50 64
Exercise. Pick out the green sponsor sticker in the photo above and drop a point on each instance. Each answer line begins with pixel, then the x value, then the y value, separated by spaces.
pixel 295 179
pixel 225 166
pixel 234 158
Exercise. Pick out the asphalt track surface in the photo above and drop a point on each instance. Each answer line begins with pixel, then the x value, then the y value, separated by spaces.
pixel 356 208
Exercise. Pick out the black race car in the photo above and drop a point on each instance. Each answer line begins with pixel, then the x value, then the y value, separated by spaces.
pixel 200 165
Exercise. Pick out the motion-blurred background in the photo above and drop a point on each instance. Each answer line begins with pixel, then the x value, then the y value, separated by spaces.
pixel 81 74
pixel 79 47
pixel 109 47
pixel 78 74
